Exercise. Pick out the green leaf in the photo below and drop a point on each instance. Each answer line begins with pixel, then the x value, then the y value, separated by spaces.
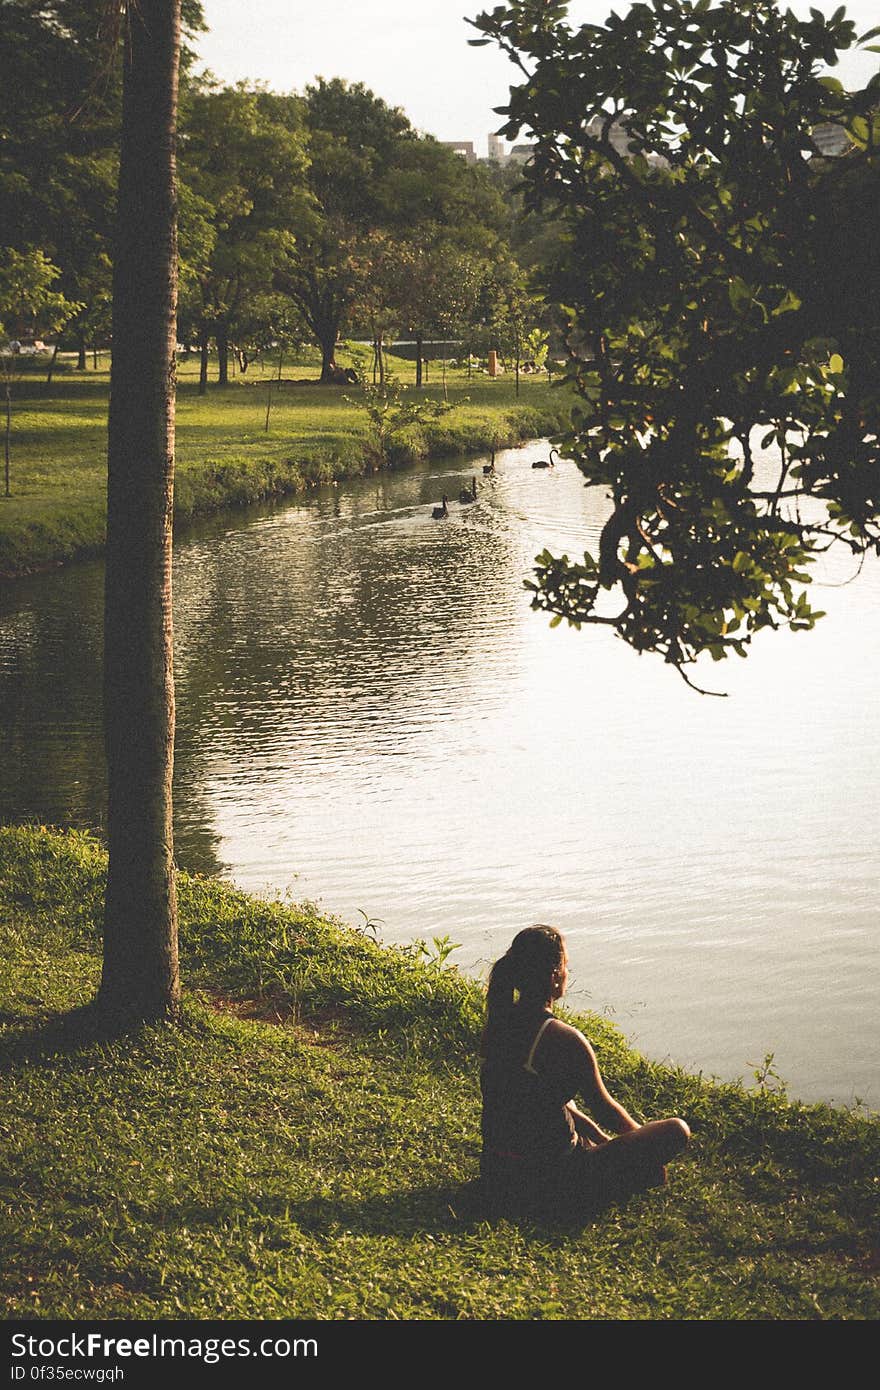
pixel 787 303
pixel 835 362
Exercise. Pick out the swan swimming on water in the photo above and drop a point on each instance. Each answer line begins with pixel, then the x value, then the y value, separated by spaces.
pixel 468 494
pixel 546 463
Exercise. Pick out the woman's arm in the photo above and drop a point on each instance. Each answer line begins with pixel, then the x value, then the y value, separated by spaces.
pixel 589 1084
pixel 585 1127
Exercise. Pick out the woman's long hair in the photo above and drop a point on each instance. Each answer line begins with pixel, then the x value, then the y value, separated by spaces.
pixel 528 970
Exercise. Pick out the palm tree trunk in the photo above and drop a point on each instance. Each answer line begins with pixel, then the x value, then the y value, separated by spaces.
pixel 140 976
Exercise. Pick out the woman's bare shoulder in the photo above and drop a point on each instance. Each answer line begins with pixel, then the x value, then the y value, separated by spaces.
pixel 568 1039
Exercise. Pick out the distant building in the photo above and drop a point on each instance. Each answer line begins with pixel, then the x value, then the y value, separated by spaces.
pixel 463 147
pixel 520 153
pixel 617 133
pixel 497 152
pixel 830 139
pixel 620 141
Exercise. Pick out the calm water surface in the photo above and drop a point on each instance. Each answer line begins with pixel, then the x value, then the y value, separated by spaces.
pixel 370 715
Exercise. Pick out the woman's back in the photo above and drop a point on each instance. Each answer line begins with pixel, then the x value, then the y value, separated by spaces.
pixel 525 1118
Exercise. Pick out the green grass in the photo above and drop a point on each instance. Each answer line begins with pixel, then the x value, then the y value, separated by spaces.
pixel 318 1164
pixel 225 457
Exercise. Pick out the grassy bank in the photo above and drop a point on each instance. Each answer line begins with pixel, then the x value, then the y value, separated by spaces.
pixel 225 456
pixel 302 1144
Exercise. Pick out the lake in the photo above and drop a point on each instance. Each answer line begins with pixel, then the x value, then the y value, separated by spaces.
pixel 371 716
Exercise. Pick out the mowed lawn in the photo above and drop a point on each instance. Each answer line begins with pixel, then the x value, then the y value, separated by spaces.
pixel 224 454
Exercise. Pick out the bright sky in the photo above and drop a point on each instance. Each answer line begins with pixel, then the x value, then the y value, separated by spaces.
pixel 413 53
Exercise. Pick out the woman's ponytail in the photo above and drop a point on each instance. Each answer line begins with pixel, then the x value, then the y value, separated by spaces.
pixel 500 991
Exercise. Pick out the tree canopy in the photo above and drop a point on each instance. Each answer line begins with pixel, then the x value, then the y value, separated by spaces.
pixel 388 210
pixel 323 211
pixel 28 303
pixel 724 350
pixel 242 164
pixel 60 114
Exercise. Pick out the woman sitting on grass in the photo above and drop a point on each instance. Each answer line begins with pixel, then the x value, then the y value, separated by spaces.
pixel 539 1151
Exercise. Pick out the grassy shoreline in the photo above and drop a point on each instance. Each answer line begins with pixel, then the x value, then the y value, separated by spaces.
pixel 302 1144
pixel 225 457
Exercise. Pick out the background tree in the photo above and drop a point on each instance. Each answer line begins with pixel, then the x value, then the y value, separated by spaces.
pixel 352 137
pixel 28 304
pixel 373 180
pixel 59 112
pixel 197 238
pixel 436 289
pixel 243 164
pixel 268 329
pixel 535 238
pixel 704 298
pixel 379 264
pixel 512 313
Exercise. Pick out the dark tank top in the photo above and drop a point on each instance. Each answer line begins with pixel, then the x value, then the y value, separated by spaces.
pixel 525 1119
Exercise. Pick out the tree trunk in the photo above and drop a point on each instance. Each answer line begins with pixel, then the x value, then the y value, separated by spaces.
pixel 327 342
pixel 203 358
pixel 52 360
pixel 222 339
pixel 81 352
pixel 8 492
pixel 418 360
pixel 140 977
